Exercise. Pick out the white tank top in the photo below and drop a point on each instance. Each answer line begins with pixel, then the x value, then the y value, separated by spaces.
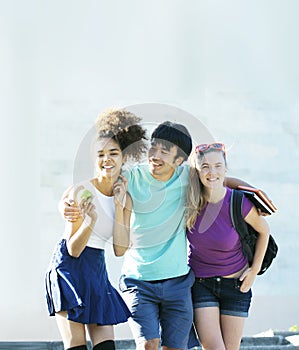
pixel 105 208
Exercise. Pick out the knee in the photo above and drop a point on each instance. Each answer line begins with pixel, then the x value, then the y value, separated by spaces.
pixel 151 344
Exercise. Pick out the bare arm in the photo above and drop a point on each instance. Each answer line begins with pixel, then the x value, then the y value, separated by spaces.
pixel 262 227
pixel 77 231
pixel 121 228
pixel 233 182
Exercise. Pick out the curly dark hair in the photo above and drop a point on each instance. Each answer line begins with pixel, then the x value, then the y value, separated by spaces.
pixel 123 127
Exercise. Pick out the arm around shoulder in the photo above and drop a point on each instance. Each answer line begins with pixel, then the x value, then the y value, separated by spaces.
pixel 233 182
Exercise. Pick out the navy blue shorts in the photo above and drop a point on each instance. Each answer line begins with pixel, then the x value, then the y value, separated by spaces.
pixel 164 307
pixel 223 293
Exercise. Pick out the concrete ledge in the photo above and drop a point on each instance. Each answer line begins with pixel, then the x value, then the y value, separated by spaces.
pixel 277 342
pixel 57 345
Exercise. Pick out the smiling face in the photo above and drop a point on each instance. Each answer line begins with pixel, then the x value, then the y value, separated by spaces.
pixel 212 169
pixel 163 161
pixel 109 158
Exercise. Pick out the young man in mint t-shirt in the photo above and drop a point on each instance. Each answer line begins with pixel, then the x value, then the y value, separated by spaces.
pixel 156 281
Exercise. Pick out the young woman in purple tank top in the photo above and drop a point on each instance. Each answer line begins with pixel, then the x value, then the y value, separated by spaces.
pixel 222 289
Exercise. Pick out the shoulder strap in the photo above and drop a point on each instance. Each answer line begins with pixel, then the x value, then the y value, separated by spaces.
pixel 236 213
pixel 240 225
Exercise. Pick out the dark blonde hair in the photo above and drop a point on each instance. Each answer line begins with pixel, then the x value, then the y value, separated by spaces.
pixel 196 199
pixel 124 128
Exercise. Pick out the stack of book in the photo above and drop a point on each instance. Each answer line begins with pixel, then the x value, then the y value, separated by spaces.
pixel 259 199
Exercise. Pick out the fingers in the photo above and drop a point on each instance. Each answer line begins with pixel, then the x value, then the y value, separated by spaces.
pixel 244 289
pixel 71 212
pixel 124 180
pixel 85 202
pixel 90 212
pixel 262 213
pixel 120 185
pixel 246 285
pixel 119 193
pixel 70 195
pixel 70 208
pixel 247 280
pixel 125 183
pixel 89 207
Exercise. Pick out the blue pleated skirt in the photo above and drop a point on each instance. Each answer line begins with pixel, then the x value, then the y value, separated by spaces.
pixel 80 286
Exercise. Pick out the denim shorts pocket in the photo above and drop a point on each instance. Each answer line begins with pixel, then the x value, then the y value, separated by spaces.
pixel 121 283
pixel 237 283
pixel 125 285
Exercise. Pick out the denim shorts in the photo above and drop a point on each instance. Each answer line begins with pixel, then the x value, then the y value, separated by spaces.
pixel 161 309
pixel 223 293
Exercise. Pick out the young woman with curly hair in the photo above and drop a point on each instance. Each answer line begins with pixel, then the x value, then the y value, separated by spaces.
pixel 79 293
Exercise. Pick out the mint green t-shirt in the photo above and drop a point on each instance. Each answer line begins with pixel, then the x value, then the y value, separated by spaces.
pixel 159 247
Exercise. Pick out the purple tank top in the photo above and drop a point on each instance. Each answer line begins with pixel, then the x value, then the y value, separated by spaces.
pixel 214 246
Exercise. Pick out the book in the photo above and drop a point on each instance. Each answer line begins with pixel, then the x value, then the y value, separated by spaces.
pixel 258 199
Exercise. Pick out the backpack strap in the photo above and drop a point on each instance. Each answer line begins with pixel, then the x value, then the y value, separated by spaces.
pixel 239 223
pixel 236 212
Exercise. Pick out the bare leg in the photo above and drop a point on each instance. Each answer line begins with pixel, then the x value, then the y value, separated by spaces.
pixel 99 334
pixel 207 324
pixel 72 333
pixel 232 329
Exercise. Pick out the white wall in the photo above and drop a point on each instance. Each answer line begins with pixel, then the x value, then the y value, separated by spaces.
pixel 233 65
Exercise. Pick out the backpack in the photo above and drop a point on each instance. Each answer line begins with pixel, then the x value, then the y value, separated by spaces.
pixel 248 235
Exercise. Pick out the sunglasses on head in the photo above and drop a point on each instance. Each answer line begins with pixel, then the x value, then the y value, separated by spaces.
pixel 204 147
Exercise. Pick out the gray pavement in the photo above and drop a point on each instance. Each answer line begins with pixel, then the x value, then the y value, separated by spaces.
pixel 279 341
